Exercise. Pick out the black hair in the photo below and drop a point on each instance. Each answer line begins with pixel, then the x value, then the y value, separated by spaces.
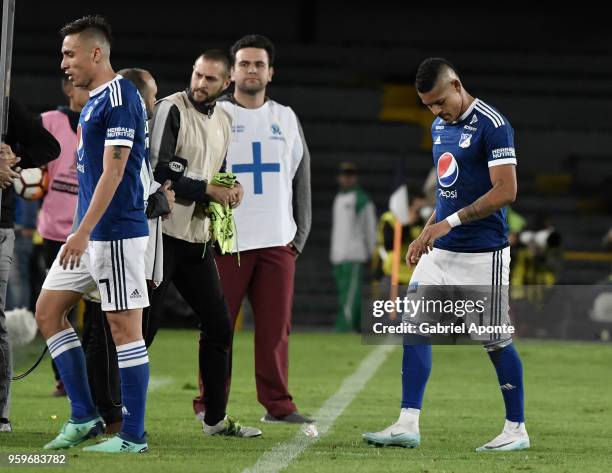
pixel 217 55
pixel 89 22
pixel 429 71
pixel 254 41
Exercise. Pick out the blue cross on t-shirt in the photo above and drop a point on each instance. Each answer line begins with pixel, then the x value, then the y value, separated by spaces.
pixel 257 168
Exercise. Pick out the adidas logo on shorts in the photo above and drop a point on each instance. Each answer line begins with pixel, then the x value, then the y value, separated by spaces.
pixel 135 294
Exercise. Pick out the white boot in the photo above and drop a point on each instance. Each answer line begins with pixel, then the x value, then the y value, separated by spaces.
pixel 513 437
pixel 404 433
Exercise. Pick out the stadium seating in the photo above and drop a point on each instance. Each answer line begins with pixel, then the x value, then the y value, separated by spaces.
pixel 334 77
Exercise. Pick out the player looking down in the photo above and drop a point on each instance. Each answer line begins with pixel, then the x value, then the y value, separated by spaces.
pixel 464 243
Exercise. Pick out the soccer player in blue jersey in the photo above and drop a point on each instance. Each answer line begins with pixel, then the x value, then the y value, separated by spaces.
pixel 464 243
pixel 107 249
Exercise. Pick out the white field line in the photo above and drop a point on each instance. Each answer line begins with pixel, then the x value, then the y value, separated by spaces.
pixel 280 456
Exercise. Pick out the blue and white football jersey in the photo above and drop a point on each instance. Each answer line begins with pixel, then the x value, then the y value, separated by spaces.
pixel 114 115
pixel 463 152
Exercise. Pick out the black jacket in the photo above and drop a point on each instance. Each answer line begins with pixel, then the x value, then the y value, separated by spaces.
pixel 32 143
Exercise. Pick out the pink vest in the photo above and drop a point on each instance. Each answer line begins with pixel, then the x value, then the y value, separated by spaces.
pixel 57 212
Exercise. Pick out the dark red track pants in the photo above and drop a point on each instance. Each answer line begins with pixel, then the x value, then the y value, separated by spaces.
pixel 266 276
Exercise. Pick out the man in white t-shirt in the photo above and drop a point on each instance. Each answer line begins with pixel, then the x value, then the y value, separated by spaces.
pixel 270 157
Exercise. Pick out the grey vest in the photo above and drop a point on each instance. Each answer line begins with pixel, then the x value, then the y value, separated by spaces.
pixel 203 142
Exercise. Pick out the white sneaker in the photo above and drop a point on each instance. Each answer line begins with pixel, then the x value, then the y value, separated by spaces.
pixel 394 435
pixel 513 437
pixel 230 427
pixel 5 427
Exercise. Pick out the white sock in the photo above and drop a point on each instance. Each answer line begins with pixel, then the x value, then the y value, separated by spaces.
pixel 510 426
pixel 409 418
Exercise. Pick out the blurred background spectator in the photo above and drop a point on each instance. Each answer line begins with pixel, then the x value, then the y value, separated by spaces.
pixel 353 241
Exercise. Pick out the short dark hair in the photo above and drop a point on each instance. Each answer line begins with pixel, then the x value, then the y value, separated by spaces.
pixel 254 41
pixel 429 71
pixel 134 75
pixel 89 22
pixel 217 55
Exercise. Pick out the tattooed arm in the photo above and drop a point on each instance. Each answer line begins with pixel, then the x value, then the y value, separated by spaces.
pixel 114 161
pixel 503 179
pixel 503 192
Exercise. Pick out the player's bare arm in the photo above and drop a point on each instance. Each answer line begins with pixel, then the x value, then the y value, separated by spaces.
pixel 114 161
pixel 503 179
pixel 503 192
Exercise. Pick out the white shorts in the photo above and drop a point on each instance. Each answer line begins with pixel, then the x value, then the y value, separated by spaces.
pixel 450 268
pixel 470 276
pixel 117 268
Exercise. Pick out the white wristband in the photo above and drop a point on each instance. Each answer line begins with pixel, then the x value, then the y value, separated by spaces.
pixel 454 220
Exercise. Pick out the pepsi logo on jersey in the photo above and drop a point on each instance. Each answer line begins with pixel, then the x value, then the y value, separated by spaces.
pixel 447 194
pixel 448 170
pixel 80 150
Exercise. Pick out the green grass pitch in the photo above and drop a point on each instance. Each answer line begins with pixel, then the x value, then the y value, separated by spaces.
pixel 568 408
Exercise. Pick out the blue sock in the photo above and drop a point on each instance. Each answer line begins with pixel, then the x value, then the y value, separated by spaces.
pixel 134 372
pixel 510 375
pixel 68 355
pixel 416 366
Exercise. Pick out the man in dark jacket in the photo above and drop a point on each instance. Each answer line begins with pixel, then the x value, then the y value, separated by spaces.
pixel 30 145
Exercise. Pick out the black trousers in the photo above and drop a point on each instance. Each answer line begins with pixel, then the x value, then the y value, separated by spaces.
pixel 102 366
pixel 192 269
pixel 101 357
pixel 50 250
